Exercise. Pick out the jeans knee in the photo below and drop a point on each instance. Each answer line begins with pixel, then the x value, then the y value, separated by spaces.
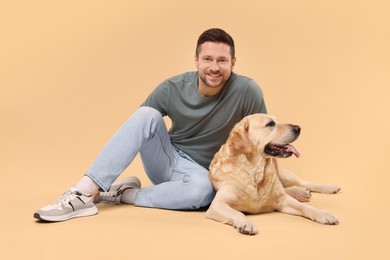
pixel 147 112
pixel 208 197
pixel 147 118
pixel 202 193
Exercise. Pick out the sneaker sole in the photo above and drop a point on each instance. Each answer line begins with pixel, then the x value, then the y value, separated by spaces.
pixel 75 214
pixel 130 181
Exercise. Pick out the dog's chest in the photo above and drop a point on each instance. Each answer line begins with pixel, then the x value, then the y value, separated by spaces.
pixel 253 172
pixel 261 190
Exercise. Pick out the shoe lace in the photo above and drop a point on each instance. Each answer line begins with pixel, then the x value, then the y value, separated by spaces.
pixel 66 197
pixel 110 196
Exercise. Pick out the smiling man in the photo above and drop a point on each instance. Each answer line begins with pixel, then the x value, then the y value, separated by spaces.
pixel 215 62
pixel 203 106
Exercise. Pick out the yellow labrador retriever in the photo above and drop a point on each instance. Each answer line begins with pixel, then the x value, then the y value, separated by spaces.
pixel 245 174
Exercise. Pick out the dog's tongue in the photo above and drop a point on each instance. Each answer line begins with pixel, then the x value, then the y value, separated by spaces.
pixel 290 148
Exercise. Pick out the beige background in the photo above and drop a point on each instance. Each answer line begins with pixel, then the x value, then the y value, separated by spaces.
pixel 71 72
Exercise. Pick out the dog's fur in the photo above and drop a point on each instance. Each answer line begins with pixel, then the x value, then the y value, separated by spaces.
pixel 245 174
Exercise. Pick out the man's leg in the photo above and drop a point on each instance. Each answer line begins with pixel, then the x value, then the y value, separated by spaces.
pixel 180 183
pixel 144 125
pixel 187 188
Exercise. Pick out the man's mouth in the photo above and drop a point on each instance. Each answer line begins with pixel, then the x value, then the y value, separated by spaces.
pixel 282 151
pixel 214 76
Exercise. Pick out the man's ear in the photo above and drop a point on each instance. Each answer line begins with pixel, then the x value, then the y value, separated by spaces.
pixel 233 62
pixel 239 138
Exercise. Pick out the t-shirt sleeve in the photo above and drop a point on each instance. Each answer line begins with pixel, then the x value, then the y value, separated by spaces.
pixel 254 100
pixel 159 98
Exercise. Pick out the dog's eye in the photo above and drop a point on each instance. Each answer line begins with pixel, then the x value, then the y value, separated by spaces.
pixel 270 123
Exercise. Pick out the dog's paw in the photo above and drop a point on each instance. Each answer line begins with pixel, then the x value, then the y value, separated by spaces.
pixel 301 194
pixel 246 228
pixel 330 188
pixel 326 218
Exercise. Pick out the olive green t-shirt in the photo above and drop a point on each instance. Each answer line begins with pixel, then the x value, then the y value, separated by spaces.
pixel 200 125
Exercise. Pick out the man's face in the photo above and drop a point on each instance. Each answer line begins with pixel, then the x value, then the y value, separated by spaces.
pixel 214 64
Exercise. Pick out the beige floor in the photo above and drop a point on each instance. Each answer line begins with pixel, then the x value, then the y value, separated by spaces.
pixel 71 73
pixel 130 232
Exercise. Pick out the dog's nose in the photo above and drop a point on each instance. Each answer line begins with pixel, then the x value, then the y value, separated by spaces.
pixel 296 129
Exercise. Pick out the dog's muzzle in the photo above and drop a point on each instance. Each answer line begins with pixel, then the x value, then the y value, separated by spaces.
pixel 284 150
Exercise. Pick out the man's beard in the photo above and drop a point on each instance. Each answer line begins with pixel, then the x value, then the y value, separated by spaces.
pixel 211 85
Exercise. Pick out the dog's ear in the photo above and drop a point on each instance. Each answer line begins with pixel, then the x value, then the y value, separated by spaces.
pixel 239 138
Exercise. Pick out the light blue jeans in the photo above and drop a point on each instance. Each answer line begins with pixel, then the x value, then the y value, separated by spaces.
pixel 179 182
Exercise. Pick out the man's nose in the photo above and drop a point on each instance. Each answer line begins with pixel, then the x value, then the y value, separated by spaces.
pixel 214 66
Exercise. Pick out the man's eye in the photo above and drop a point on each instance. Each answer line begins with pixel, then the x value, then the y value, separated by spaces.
pixel 270 123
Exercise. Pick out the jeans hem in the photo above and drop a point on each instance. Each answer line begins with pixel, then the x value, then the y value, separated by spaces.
pixel 97 182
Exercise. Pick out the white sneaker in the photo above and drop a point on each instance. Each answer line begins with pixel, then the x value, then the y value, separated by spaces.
pixel 72 204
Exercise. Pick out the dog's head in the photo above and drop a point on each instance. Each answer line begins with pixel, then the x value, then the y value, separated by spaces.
pixel 263 133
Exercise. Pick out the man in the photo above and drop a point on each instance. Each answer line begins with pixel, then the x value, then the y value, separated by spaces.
pixel 203 106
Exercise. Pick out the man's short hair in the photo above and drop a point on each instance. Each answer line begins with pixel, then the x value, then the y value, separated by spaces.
pixel 215 35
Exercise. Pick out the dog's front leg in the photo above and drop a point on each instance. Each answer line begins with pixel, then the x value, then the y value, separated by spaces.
pixel 289 205
pixel 221 211
pixel 289 179
pixel 290 182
